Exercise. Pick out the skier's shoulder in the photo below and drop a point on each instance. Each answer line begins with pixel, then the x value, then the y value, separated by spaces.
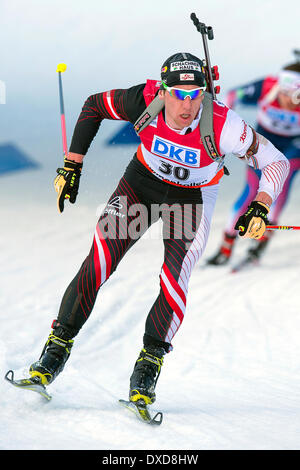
pixel 220 111
pixel 220 108
pixel 134 101
pixel 135 92
pixel 235 133
pixel 150 90
pixel 219 116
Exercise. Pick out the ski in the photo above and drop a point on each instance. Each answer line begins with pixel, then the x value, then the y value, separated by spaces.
pixel 246 263
pixel 31 383
pixel 142 412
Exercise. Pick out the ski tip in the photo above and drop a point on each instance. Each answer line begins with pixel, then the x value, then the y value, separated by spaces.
pixel 157 419
pixel 142 412
pixel 27 384
pixel 9 376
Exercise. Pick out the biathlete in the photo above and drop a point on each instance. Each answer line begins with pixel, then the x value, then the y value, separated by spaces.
pixel 278 119
pixel 171 176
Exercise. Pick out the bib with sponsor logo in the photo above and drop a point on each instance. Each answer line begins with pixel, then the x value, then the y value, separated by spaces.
pixel 272 117
pixel 179 159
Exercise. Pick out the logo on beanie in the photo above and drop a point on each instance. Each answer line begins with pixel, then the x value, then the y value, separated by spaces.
pixel 185 65
pixel 187 76
pixel 164 69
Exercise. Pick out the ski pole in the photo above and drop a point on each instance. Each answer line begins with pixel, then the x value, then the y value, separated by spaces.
pixel 282 227
pixel 60 69
pixel 205 31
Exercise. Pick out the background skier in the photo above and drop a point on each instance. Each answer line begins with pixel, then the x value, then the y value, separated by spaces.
pixel 278 119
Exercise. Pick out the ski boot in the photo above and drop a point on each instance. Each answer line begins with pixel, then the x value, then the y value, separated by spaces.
pixel 145 375
pixel 225 251
pixel 54 355
pixel 256 252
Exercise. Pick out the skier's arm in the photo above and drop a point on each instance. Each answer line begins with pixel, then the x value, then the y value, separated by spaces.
pixel 237 137
pixel 76 157
pixel 247 95
pixel 118 104
pixel 240 139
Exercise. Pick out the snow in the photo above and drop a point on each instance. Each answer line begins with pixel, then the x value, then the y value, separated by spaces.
pixel 232 380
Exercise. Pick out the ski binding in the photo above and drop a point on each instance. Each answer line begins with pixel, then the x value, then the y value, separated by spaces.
pixel 142 412
pixel 32 383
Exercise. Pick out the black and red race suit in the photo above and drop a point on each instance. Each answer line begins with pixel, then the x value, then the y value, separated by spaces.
pixel 144 195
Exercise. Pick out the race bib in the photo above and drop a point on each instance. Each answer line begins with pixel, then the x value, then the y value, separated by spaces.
pixel 186 156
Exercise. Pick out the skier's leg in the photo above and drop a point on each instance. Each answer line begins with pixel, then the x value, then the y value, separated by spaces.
pixel 181 255
pixel 111 241
pixel 167 313
pixel 239 207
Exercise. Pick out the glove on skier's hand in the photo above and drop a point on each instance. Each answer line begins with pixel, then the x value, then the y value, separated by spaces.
pixel 66 183
pixel 252 224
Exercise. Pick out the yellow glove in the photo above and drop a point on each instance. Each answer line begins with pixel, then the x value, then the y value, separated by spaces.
pixel 66 183
pixel 252 224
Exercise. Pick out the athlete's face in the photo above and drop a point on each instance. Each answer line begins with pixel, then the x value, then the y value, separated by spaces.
pixel 180 113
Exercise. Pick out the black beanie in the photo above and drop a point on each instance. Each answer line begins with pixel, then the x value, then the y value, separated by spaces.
pixel 183 68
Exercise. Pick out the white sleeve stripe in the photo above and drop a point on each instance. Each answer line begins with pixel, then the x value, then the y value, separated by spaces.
pixel 109 102
pixel 276 172
pixel 273 178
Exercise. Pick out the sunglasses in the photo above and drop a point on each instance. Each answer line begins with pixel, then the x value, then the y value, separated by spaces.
pixel 182 94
